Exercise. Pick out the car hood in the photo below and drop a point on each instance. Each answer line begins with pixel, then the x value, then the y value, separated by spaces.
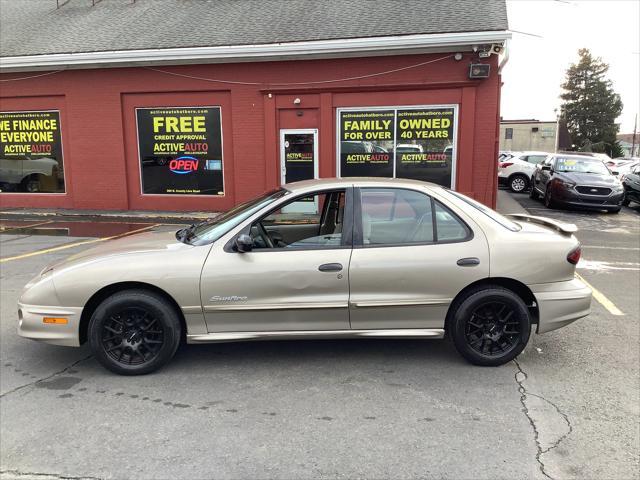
pixel 140 243
pixel 588 179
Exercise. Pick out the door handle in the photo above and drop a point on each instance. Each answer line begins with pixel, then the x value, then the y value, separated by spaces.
pixel 468 262
pixel 330 267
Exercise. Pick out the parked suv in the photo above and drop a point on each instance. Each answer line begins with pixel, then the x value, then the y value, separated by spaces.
pixel 577 181
pixel 516 171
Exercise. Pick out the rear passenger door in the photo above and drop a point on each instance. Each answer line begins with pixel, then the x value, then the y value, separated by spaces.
pixel 411 256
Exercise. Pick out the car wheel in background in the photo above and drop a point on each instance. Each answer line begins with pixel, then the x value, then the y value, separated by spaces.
pixel 533 193
pixel 615 210
pixel 626 202
pixel 134 332
pixel 548 199
pixel 518 183
pixel 31 184
pixel 490 326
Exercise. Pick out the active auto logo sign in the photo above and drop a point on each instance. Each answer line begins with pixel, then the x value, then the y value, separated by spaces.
pixel 183 165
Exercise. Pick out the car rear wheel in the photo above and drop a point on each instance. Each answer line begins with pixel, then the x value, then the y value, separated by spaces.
pixel 490 326
pixel 548 199
pixel 518 183
pixel 134 332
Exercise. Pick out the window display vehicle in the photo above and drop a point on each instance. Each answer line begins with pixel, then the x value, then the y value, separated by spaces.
pixel 515 171
pixel 333 258
pixel 577 181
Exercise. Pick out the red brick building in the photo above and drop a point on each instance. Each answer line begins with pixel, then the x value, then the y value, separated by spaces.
pixel 185 105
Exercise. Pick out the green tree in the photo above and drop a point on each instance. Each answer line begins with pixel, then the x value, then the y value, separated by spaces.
pixel 590 105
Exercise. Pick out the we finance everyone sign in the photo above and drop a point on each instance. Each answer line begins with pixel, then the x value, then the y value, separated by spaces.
pixel 180 150
pixel 31 152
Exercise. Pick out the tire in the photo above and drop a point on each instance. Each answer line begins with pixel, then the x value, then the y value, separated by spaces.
pixel 533 193
pixel 626 202
pixel 131 325
pixel 31 184
pixel 476 339
pixel 615 210
pixel 548 199
pixel 518 183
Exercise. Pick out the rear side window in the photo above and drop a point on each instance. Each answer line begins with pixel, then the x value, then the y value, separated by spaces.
pixel 449 227
pixel 393 216
pixel 492 214
pixel 535 159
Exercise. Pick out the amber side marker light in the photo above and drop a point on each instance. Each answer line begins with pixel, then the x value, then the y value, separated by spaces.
pixel 58 320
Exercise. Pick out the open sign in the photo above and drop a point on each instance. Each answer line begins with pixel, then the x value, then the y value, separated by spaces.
pixel 183 165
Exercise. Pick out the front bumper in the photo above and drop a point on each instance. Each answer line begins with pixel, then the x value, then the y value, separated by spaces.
pixel 561 303
pixel 30 324
pixel 571 197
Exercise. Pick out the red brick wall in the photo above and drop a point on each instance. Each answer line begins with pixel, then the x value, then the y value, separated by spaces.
pixel 99 138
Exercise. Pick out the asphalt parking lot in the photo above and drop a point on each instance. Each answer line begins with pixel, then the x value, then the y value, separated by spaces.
pixel 569 407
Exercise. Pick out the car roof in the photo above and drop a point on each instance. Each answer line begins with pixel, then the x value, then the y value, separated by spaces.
pixel 322 183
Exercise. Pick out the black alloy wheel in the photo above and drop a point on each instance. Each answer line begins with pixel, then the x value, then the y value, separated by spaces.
pixel 490 325
pixel 134 332
pixel 132 336
pixel 492 329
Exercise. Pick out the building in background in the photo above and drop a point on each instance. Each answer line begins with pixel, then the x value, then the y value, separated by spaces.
pixel 528 134
pixel 627 144
pixel 187 105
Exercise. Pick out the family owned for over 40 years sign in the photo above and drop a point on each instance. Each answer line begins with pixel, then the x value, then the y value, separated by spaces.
pixel 180 150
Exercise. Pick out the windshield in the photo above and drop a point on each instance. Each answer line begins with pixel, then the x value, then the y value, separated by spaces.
pixel 581 165
pixel 211 230
pixel 492 214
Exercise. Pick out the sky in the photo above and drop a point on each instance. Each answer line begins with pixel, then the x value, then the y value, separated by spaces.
pixel 537 66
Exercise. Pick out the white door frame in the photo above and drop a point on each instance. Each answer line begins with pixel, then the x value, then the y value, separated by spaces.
pixel 316 160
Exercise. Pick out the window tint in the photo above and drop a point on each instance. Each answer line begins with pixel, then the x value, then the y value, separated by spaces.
pixel 395 216
pixel 315 221
pixel 449 227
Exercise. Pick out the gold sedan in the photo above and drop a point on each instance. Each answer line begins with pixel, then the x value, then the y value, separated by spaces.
pixel 335 258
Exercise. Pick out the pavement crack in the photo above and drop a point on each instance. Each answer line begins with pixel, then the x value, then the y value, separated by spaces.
pixel 520 377
pixel 18 473
pixel 48 377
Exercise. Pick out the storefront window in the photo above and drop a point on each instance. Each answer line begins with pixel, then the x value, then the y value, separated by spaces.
pixel 180 150
pixel 31 152
pixel 406 142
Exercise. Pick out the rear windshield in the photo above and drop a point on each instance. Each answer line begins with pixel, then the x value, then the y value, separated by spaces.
pixel 492 214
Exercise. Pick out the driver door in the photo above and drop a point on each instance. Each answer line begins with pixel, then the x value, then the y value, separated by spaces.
pixel 295 278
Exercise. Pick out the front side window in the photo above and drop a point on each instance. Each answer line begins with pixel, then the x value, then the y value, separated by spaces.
pixel 314 221
pixel 395 216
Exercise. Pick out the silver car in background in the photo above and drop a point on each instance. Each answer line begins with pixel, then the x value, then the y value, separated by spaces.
pixel 334 258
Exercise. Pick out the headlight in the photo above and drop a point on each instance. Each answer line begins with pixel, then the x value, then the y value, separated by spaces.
pixel 564 183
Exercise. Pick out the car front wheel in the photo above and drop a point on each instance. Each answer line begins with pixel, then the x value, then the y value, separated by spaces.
pixel 518 183
pixel 134 332
pixel 548 199
pixel 490 326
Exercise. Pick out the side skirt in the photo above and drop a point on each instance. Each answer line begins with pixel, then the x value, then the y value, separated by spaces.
pixel 220 337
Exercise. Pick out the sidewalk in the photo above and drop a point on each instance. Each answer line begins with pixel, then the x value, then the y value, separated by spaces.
pixel 506 204
pixel 138 216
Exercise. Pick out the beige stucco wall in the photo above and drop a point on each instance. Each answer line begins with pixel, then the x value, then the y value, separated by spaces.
pixel 544 140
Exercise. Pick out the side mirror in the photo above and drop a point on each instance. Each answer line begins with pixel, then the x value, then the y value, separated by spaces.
pixel 546 168
pixel 613 172
pixel 244 243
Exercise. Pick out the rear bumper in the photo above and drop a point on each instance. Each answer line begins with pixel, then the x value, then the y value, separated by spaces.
pixel 503 181
pixel 561 303
pixel 31 325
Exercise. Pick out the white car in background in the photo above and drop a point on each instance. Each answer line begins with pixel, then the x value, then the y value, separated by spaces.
pixel 516 171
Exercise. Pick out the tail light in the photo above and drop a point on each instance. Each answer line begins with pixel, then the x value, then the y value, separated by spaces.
pixel 506 164
pixel 574 255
